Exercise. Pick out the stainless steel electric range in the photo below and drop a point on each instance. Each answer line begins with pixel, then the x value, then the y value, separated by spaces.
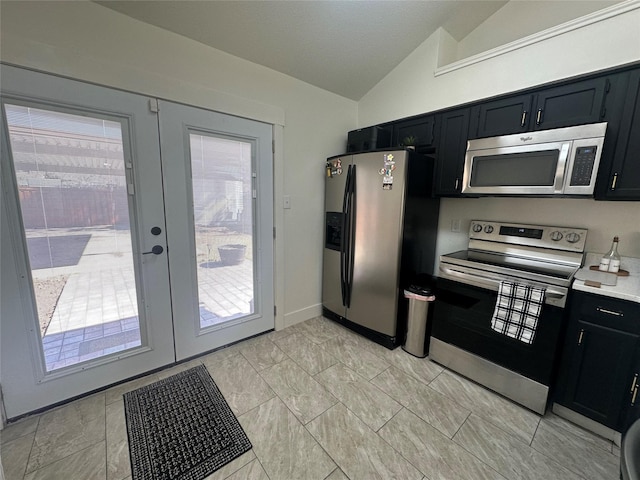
pixel 462 339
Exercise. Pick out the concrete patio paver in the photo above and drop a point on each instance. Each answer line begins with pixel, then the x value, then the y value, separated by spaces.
pixel 99 300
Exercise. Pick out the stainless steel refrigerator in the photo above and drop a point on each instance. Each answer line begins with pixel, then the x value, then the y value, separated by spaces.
pixel 381 223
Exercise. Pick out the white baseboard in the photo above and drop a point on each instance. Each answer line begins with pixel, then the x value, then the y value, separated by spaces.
pixel 302 315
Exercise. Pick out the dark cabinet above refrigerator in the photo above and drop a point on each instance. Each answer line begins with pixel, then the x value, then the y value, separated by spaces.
pixel 418 132
pixel 367 139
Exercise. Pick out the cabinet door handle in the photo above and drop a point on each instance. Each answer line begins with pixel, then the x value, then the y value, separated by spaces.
pixel 635 394
pixel 457 182
pixel 580 337
pixel 615 180
pixel 609 312
pixel 634 382
pixel 539 117
pixel 523 120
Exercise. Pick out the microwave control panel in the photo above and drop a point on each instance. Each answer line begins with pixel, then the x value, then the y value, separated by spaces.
pixel 583 164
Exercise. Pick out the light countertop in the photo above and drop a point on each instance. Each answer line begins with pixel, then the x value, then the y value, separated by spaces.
pixel 627 288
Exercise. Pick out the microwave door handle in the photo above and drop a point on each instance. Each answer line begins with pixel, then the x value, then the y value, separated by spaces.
pixel 563 159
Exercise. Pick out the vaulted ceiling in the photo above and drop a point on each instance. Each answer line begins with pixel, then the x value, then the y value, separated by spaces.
pixel 345 47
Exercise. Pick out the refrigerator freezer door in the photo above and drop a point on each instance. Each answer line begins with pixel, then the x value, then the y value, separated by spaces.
pixel 335 182
pixel 379 215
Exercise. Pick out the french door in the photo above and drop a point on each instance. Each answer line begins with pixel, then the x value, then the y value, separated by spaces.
pixel 218 191
pixel 133 235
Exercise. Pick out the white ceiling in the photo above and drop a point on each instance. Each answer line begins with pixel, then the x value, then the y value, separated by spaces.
pixel 345 47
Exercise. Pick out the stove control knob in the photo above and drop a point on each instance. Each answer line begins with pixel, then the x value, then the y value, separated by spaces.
pixel 573 237
pixel 556 236
pixel 488 229
pixel 477 227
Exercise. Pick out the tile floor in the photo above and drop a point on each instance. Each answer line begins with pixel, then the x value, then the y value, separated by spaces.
pixel 319 402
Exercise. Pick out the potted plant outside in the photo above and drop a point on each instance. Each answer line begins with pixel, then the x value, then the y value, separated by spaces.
pixel 232 254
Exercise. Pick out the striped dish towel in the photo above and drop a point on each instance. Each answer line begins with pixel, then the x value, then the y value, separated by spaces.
pixel 517 311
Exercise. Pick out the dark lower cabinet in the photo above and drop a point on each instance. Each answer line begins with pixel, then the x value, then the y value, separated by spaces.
pixel 632 412
pixel 599 370
pixel 454 127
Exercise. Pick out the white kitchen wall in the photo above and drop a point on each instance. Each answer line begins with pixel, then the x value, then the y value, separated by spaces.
pixel 412 88
pixel 86 41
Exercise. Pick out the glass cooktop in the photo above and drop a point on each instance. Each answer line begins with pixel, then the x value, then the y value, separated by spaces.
pixel 541 267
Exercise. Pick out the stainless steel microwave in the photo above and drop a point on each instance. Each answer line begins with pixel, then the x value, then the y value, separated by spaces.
pixel 562 161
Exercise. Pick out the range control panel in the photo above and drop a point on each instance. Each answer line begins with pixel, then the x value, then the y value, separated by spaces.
pixel 559 238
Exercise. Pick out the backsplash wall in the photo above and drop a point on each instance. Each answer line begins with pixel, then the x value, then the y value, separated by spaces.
pixel 602 219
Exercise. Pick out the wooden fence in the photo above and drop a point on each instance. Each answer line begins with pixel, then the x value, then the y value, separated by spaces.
pixel 73 207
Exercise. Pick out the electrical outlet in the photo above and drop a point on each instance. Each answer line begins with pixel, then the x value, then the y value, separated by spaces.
pixel 455 225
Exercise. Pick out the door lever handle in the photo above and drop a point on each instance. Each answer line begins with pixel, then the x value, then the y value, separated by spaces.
pixel 156 250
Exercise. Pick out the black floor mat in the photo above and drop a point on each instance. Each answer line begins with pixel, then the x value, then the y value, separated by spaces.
pixel 182 428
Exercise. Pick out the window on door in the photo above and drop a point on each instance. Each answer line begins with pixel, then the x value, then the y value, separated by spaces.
pixel 223 220
pixel 72 186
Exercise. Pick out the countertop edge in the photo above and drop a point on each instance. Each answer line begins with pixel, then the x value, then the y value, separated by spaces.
pixel 627 288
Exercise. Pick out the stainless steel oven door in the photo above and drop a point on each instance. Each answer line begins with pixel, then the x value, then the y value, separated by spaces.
pixel 463 340
pixel 555 295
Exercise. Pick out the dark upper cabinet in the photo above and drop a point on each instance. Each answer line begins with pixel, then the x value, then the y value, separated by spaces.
pixel 501 117
pixel 370 138
pixel 451 148
pixel 600 360
pixel 612 97
pixel 574 104
pixel 418 132
pixel 567 105
pixel 620 176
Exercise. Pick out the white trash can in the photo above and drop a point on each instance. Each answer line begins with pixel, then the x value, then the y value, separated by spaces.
pixel 419 299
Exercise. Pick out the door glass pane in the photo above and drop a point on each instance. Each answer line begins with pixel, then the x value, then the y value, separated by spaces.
pixel 71 181
pixel 223 219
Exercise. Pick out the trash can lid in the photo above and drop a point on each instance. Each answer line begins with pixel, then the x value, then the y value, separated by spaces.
pixel 418 290
pixel 419 293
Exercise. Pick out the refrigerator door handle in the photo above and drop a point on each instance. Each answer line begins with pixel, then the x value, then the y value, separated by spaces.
pixel 351 239
pixel 344 239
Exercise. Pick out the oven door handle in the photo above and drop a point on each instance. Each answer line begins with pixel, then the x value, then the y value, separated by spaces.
pixel 488 282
